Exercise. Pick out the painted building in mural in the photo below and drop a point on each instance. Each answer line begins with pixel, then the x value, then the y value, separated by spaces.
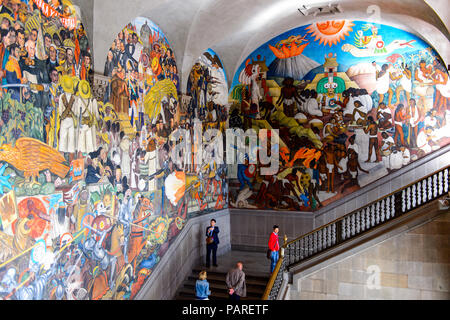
pixel 352 101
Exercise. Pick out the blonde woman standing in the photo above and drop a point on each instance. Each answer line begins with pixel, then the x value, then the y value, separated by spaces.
pixel 202 287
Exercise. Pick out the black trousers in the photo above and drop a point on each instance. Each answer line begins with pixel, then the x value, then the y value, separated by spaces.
pixel 211 248
pixel 234 297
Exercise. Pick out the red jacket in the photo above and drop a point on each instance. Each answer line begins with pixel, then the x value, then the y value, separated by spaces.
pixel 273 242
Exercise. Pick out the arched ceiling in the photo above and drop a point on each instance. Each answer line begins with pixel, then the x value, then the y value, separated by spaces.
pixel 234 28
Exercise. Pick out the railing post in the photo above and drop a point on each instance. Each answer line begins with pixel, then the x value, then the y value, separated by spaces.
pixel 284 246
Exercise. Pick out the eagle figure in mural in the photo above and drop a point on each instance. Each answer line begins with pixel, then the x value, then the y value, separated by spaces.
pixel 378 49
pixel 33 156
pixel 373 45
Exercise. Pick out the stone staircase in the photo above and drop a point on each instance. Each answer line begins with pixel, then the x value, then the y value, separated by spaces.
pixel 256 284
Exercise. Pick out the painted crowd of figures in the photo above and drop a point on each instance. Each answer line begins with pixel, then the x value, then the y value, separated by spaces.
pixel 90 195
pixel 90 198
pixel 340 128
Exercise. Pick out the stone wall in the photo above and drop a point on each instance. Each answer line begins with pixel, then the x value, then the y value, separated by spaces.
pixel 411 265
pixel 251 228
pixel 187 251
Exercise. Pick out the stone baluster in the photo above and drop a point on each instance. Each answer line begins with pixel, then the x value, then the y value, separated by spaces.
pixel 382 210
pixel 377 212
pixel 302 248
pixel 435 186
pixel 344 228
pixel 393 212
pixel 353 227
pixel 363 219
pixel 419 193
pixel 430 189
pixel 358 222
pixel 348 227
pixel 446 171
pixel 403 200
pixel 329 236
pixel 408 198
pixel 388 208
pixel 424 191
pixel 367 218
pixel 413 196
pixel 372 215
pixel 315 242
pixel 319 240
pixel 333 234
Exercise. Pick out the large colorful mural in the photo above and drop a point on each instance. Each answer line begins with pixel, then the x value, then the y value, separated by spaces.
pixel 352 101
pixel 94 191
pixel 90 196
pixel 206 103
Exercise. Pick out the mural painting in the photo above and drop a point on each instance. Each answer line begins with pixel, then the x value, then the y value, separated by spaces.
pixel 90 195
pixel 206 102
pixel 90 198
pixel 353 101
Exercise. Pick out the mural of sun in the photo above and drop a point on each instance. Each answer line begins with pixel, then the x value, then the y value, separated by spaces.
pixel 330 32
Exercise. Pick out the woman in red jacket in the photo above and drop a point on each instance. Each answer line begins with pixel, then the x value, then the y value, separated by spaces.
pixel 274 247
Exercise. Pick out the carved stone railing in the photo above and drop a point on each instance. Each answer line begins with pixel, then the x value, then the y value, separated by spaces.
pixel 357 223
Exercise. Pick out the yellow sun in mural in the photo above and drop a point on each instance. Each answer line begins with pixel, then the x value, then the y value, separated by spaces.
pixel 330 32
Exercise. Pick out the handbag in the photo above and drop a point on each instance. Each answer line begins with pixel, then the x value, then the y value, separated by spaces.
pixel 269 254
pixel 209 240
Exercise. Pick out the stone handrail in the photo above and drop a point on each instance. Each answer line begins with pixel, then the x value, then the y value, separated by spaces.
pixel 356 223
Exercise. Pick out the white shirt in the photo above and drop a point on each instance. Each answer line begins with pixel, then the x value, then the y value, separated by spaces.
pixel 386 142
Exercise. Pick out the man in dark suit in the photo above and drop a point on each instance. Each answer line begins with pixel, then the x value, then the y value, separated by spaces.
pixel 212 232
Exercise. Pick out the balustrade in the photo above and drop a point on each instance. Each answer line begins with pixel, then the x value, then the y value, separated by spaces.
pixel 359 222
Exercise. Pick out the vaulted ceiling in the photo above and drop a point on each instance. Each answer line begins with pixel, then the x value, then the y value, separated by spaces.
pixel 234 28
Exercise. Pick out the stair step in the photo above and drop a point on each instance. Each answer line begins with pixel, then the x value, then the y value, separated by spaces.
pixel 255 277
pixel 217 294
pixel 255 283
pixel 212 282
pixel 222 286
pixel 221 279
